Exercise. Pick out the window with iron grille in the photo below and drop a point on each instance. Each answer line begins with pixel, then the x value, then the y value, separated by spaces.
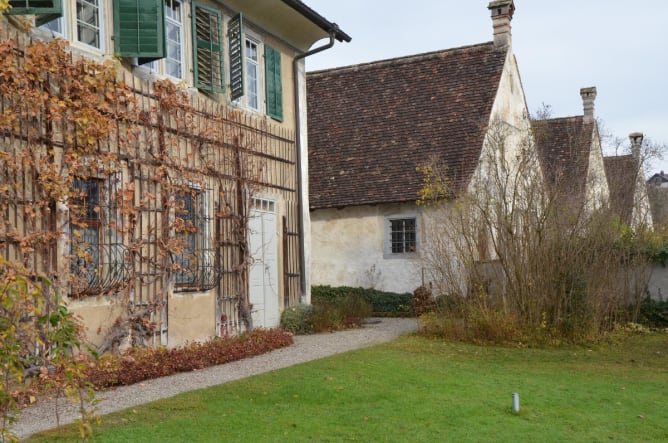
pixel 402 235
pixel 198 267
pixel 100 262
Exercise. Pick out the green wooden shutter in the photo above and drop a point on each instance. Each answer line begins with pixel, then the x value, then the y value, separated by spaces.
pixel 139 29
pixel 44 10
pixel 208 49
pixel 235 37
pixel 273 86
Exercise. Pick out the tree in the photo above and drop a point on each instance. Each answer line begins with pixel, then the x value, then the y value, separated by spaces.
pixel 512 247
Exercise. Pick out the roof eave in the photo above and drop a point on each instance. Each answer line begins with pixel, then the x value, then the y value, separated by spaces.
pixel 318 20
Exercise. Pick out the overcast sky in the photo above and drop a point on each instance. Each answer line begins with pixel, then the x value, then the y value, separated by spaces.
pixel 619 46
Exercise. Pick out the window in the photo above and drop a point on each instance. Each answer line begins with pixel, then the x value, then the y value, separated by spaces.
pixel 197 270
pixel 207 49
pixel 173 64
pixel 246 87
pixel 402 235
pixel 252 75
pixel 83 24
pixel 89 23
pixel 139 29
pixel 99 261
pixel 44 10
pixel 56 26
pixel 174 33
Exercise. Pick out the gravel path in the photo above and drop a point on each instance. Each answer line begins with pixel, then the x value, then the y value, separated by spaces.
pixel 305 348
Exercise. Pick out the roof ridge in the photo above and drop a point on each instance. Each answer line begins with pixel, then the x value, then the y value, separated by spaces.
pixel 397 60
pixel 559 118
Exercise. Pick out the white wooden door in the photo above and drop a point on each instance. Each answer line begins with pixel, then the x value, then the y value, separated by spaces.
pixel 263 276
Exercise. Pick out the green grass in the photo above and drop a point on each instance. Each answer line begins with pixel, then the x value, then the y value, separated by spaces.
pixel 418 390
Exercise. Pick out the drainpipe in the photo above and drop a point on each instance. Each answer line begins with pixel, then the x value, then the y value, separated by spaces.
pixel 300 203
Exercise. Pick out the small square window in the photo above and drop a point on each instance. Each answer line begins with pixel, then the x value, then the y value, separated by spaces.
pixel 402 235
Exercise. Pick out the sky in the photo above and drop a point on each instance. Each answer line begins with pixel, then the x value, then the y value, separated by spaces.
pixel 621 47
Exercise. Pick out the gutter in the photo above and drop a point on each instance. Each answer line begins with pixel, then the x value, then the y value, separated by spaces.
pixel 334 29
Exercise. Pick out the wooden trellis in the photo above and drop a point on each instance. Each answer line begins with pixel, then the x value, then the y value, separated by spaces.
pixel 160 146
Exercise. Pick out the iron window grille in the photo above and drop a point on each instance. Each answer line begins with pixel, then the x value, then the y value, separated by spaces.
pixel 403 235
pixel 199 268
pixel 100 262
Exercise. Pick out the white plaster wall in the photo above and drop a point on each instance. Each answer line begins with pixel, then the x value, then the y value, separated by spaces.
pixel 642 214
pixel 597 191
pixel 347 244
pixel 303 144
pixel 510 115
pixel 509 120
pixel 658 283
pixel 510 103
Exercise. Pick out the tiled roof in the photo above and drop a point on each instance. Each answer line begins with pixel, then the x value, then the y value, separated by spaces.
pixel 563 146
pixel 622 172
pixel 370 125
pixel 657 179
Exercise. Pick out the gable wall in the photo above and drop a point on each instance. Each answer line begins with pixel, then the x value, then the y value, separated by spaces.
pixel 597 191
pixel 509 116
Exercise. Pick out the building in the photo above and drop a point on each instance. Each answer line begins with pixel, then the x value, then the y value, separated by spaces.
pixel 161 185
pixel 371 125
pixel 571 158
pixel 628 191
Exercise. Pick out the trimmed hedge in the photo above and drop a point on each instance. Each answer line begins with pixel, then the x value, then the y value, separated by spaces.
pixel 385 304
pixel 139 364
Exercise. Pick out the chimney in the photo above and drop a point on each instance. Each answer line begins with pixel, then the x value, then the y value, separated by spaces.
pixel 636 142
pixel 588 97
pixel 502 14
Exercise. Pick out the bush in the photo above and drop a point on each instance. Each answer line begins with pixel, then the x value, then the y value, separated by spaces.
pixel 298 319
pixel 653 313
pixel 140 364
pixel 339 313
pixel 384 304
pixel 478 327
pixel 423 301
pixel 326 315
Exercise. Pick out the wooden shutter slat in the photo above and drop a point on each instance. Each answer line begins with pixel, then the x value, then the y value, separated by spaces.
pixel 235 34
pixel 139 28
pixel 273 83
pixel 207 53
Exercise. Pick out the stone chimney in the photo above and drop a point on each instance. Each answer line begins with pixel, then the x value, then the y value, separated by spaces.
pixel 588 97
pixel 502 14
pixel 636 142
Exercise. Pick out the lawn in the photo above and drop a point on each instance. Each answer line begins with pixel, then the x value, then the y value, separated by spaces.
pixel 419 390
